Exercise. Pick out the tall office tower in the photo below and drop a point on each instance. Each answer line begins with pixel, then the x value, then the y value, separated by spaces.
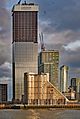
pixel 24 45
pixel 3 93
pixel 75 84
pixel 64 78
pixel 48 62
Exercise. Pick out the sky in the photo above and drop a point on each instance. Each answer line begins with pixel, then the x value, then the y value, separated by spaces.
pixel 59 20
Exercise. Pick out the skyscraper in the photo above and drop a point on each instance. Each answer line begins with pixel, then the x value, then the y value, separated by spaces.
pixel 48 63
pixel 24 45
pixel 64 78
pixel 75 84
pixel 3 93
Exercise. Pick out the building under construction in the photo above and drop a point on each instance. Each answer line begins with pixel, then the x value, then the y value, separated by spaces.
pixel 39 91
pixel 24 45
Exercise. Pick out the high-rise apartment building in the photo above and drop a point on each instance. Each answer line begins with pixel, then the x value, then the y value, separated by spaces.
pixel 64 78
pixel 3 93
pixel 24 45
pixel 48 63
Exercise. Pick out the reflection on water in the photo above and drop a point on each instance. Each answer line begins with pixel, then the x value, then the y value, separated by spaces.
pixel 69 114
pixel 19 114
pixel 40 114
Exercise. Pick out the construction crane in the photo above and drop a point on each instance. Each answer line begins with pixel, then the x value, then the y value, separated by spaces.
pixel 42 42
pixel 19 2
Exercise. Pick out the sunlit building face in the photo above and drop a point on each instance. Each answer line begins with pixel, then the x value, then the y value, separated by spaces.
pixel 24 45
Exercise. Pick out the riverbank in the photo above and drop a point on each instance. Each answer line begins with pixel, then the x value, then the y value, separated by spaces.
pixel 21 106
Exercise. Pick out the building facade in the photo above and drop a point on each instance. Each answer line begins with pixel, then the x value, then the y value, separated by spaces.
pixel 75 84
pixel 39 91
pixel 3 93
pixel 48 62
pixel 24 45
pixel 64 78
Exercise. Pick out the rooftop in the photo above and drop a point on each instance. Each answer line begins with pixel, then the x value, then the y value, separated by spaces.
pixel 25 7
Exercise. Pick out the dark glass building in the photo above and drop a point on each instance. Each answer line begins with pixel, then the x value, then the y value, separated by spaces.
pixel 25 24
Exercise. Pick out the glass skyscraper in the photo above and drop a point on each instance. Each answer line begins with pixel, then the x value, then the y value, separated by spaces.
pixel 64 78
pixel 24 45
pixel 48 63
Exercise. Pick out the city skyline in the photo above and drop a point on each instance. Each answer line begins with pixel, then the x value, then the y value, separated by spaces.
pixel 58 23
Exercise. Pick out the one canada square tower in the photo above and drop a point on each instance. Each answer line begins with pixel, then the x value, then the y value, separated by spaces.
pixel 24 44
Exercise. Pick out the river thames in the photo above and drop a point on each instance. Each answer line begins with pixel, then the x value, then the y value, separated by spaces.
pixel 40 114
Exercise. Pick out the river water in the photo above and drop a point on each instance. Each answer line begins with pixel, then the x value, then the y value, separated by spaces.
pixel 40 114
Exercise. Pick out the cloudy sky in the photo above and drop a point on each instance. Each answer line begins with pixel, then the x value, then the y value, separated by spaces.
pixel 59 20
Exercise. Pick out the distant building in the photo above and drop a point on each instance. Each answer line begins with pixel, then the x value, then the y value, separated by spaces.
pixel 64 78
pixel 24 45
pixel 39 91
pixel 71 95
pixel 48 63
pixel 3 93
pixel 75 84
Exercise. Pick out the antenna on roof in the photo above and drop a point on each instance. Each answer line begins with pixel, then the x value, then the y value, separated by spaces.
pixel 19 2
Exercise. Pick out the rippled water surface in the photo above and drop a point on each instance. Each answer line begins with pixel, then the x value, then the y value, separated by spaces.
pixel 40 114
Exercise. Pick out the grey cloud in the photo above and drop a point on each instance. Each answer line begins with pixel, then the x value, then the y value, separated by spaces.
pixel 5 23
pixel 72 46
pixel 5 70
pixel 74 60
pixel 5 54
pixel 5 33
pixel 6 73
pixel 3 3
pixel 63 14
pixel 71 59
pixel 61 38
pixel 5 40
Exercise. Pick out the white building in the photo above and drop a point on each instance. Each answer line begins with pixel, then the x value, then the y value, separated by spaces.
pixel 64 78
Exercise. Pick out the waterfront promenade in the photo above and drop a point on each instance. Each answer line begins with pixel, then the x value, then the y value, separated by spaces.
pixel 26 107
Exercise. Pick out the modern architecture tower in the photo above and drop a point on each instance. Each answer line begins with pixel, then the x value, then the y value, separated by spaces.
pixel 48 63
pixel 64 78
pixel 24 44
pixel 3 93
pixel 75 84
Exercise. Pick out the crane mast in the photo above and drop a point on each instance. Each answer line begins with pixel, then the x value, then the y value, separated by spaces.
pixel 42 41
